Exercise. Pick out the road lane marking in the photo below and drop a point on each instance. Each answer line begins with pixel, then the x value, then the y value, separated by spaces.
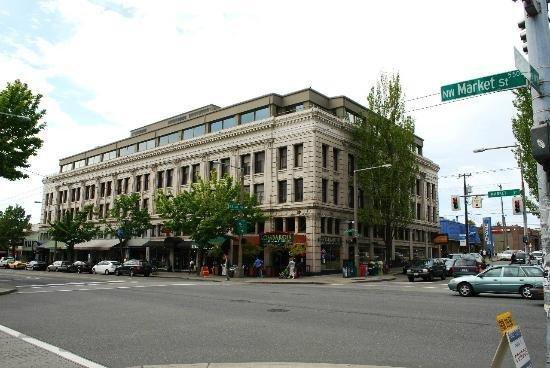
pixel 429 287
pixel 123 287
pixel 51 348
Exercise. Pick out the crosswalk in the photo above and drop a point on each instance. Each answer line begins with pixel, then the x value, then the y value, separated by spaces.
pixel 403 285
pixel 95 286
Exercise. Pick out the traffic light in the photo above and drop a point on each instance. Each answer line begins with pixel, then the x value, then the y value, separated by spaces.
pixel 523 35
pixel 517 205
pixel 532 7
pixel 455 203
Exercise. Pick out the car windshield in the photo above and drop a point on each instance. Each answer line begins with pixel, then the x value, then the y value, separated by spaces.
pixel 116 263
pixel 421 262
pixel 533 271
pixel 449 262
pixel 465 262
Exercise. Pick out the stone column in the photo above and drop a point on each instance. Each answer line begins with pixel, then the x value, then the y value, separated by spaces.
pixel 176 179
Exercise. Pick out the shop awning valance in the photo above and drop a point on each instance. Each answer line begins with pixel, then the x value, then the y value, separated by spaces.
pixel 97 244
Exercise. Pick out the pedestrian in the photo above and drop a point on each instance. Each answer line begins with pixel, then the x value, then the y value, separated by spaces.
pixel 291 268
pixel 513 259
pixel 226 258
pixel 258 263
pixel 191 266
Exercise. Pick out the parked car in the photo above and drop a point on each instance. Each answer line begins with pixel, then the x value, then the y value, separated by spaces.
pixel 505 256
pixel 449 263
pixel 106 267
pixel 505 279
pixel 427 269
pixel 4 261
pixel 520 258
pixel 36 266
pixel 134 267
pixel 537 255
pixel 466 266
pixel 17 265
pixel 59 266
pixel 80 267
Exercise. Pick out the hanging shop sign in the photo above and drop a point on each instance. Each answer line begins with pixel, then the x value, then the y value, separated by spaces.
pixel 278 239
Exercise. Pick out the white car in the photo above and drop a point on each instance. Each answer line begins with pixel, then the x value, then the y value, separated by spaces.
pixel 106 267
pixel 5 261
pixel 505 256
pixel 537 255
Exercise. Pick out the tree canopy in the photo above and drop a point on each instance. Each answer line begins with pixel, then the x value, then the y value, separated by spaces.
pixel 13 223
pixel 20 114
pixel 385 135
pixel 521 127
pixel 74 229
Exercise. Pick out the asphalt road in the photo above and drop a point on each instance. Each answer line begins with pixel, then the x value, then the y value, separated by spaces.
pixel 122 321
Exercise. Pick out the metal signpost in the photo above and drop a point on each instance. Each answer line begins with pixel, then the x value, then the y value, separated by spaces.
pixel 492 83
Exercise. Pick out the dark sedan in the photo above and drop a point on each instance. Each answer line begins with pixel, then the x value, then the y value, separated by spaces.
pixel 80 267
pixel 427 269
pixel 466 266
pixel 134 267
pixel 36 266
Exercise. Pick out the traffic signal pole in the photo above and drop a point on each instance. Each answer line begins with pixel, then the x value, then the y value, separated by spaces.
pixel 538 39
pixel 466 211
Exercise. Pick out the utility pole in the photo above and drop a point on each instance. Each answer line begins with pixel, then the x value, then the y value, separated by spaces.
pixel 503 221
pixel 538 39
pixel 466 211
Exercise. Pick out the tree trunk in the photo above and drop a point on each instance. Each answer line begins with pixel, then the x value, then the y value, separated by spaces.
pixel 388 242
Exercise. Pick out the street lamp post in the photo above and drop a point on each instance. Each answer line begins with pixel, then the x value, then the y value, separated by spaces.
pixel 525 231
pixel 355 210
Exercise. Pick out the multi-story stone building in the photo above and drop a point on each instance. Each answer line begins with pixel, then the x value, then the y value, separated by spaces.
pixel 295 153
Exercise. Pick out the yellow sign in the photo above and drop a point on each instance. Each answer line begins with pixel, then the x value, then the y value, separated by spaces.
pixel 505 322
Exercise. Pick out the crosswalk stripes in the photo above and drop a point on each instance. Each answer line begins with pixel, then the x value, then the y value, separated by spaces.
pixel 95 286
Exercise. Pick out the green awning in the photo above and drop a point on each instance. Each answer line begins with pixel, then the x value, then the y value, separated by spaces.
pixel 217 241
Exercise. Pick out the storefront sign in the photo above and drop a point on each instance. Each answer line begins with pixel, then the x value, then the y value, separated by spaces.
pixel 487 233
pixel 276 239
pixel 331 240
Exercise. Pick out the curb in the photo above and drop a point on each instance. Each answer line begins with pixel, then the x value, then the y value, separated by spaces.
pixel 7 291
pixel 187 278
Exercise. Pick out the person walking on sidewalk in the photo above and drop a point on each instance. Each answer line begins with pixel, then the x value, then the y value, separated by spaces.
pixel 291 268
pixel 258 263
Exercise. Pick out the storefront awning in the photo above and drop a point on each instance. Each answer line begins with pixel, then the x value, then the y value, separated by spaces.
pixel 97 244
pixel 50 244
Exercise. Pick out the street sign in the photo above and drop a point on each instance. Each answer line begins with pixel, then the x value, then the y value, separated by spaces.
pixel 241 227
pixel 504 193
pixel 527 70
pixel 477 201
pixel 234 206
pixel 492 83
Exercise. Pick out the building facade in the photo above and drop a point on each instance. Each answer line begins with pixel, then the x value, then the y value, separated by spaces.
pixel 295 153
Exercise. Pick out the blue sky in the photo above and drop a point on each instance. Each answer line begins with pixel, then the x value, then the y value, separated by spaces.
pixel 106 67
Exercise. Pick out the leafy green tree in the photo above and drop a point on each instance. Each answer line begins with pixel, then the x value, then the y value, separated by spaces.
pixel 127 219
pixel 19 125
pixel 521 126
pixel 203 212
pixel 13 223
pixel 385 135
pixel 74 229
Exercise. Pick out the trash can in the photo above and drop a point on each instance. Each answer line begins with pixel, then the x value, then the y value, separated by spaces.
pixel 363 270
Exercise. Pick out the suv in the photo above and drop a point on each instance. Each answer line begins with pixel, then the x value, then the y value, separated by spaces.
pixel 134 267
pixel 5 261
pixel 427 269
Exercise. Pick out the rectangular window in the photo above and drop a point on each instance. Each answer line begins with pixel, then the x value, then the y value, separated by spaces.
pixel 434 215
pixel 259 193
pixel 247 117
pixel 102 190
pixel 301 224
pixel 145 145
pixel 78 194
pixel 79 164
pixel 261 227
pixel 86 193
pixel 94 160
pixel 160 179
pixel 428 190
pixel 185 175
pixel 335 192
pixel 261 113
pixel 298 190
pixel 138 183
pixel 65 168
pixel 145 204
pixel 198 131
pixel 324 190
pixel 298 155
pixel 351 164
pixel 107 214
pixel 109 155
pixel 259 161
pixel 224 167
pixel 229 122
pixel 169 138
pixel 325 156
pixel 100 212
pixel 281 191
pixel 119 186
pixel 169 175
pixel 279 223
pixel 329 225
pixel 290 225
pixel 212 167
pixel 146 182
pixel 418 187
pixel 433 192
pixel 351 202
pixel 245 164
pixel 418 211
pixel 109 188
pixel 323 229
pixel 282 158
pixel 429 214
pixel 216 126
pixel 125 151
pixel 196 173
pixel 337 226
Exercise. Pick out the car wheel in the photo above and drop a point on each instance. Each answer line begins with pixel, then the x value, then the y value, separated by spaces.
pixel 525 292
pixel 430 277
pixel 465 289
pixel 146 274
pixel 131 273
pixel 411 279
pixel 117 272
pixel 106 272
pixel 93 271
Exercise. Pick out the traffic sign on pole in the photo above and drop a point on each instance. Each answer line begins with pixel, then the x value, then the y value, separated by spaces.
pixel 234 206
pixel 492 83
pixel 504 193
pixel 527 70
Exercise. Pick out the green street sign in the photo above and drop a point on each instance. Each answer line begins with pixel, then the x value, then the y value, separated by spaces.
pixel 527 70
pixel 504 193
pixel 492 83
pixel 241 227
pixel 234 206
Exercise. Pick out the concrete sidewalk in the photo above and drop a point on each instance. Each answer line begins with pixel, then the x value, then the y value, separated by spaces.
pixel 312 280
pixel 263 365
